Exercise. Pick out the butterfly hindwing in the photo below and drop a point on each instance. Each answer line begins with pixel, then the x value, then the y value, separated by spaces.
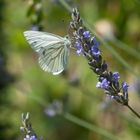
pixel 53 60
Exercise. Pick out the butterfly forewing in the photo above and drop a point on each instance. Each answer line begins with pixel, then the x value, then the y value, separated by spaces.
pixel 41 39
pixel 52 49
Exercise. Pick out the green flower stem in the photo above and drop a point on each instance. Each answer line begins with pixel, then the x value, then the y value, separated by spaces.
pixel 79 121
pixel 42 102
pixel 90 127
pixel 131 51
pixel 66 5
pixel 138 115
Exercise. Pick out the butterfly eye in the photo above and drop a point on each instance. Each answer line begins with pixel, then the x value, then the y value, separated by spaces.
pixel 67 37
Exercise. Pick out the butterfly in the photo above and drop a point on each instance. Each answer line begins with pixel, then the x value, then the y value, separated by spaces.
pixel 53 50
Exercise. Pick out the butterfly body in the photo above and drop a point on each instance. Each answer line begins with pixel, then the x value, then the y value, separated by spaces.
pixel 53 50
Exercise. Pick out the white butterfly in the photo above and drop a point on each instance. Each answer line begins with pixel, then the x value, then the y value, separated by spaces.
pixel 53 50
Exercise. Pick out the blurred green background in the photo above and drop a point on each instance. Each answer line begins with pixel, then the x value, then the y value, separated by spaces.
pixel 24 87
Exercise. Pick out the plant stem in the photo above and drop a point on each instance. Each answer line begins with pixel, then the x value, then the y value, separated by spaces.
pixel 138 115
pixel 90 127
pixel 66 5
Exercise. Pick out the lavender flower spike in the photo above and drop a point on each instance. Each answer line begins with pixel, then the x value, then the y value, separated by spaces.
pixel 89 47
pixel 27 128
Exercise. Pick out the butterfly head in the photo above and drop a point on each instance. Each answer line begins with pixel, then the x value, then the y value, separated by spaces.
pixel 67 40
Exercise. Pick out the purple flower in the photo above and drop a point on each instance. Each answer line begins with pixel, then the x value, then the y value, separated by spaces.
pixel 104 84
pixel 94 42
pixel 95 51
pixel 78 47
pixel 125 87
pixel 104 66
pixel 28 137
pixel 86 35
pixel 54 108
pixel 34 28
pixel 80 31
pixel 50 111
pixel 115 76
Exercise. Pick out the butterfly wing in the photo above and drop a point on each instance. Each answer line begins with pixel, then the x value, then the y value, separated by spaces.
pixel 39 40
pixel 53 50
pixel 54 59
